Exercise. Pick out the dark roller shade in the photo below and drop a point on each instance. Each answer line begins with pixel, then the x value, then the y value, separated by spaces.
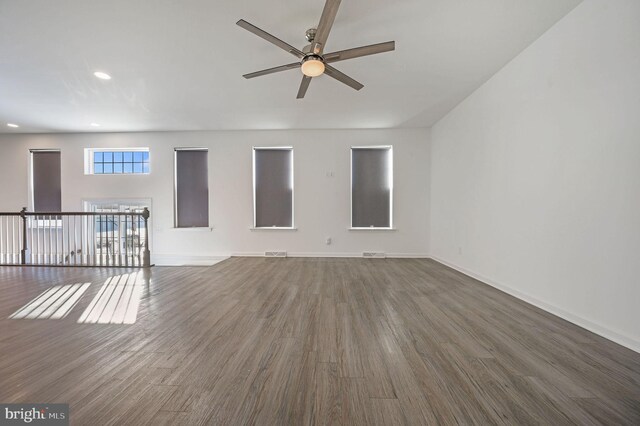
pixel 370 187
pixel 192 189
pixel 47 192
pixel 273 187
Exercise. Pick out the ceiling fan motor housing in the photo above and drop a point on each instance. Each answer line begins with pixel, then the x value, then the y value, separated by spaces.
pixel 312 57
pixel 311 34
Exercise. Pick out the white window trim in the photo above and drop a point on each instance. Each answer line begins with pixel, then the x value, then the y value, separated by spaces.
pixel 37 224
pixel 31 200
pixel 373 228
pixel 175 191
pixel 43 223
pixel 87 203
pixel 88 160
pixel 273 228
pixel 391 183
pixel 293 189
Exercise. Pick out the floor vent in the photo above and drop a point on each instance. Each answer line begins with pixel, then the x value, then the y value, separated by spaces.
pixel 374 254
pixel 275 254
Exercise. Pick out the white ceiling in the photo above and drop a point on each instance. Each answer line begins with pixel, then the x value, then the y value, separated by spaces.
pixel 178 65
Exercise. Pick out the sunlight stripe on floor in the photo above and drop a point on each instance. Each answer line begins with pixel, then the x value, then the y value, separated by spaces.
pixel 54 303
pixel 117 301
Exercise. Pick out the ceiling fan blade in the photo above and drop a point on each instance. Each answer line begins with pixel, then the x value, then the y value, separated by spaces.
pixel 270 38
pixel 332 72
pixel 357 52
pixel 324 26
pixel 304 85
pixel 272 70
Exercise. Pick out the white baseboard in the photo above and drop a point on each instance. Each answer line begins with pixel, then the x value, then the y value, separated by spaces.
pixel 408 256
pixel 247 254
pixel 329 255
pixel 308 254
pixel 186 260
pixel 599 329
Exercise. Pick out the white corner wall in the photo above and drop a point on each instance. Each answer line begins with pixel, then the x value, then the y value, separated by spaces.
pixel 322 189
pixel 536 176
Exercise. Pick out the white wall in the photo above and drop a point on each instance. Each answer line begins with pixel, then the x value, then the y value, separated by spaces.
pixel 536 176
pixel 322 204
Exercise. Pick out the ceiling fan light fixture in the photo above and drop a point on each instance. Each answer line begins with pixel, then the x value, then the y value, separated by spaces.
pixel 312 66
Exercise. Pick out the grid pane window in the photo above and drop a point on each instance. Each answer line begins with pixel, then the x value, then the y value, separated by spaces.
pixel 120 162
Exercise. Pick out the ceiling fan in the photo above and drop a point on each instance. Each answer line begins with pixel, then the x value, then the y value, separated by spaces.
pixel 312 59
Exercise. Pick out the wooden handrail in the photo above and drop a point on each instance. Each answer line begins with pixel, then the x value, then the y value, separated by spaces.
pixel 76 238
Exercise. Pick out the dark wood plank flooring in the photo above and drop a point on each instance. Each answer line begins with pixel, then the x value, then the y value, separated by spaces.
pixel 307 341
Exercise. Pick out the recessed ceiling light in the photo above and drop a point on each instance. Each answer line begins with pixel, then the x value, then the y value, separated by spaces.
pixel 95 125
pixel 102 75
pixel 12 125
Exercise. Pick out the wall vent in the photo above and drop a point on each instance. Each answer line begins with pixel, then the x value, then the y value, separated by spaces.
pixel 374 254
pixel 275 254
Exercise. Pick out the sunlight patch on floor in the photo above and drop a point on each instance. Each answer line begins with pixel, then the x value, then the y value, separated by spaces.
pixel 54 303
pixel 117 301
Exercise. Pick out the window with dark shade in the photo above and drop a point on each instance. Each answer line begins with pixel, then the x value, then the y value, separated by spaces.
pixel 191 188
pixel 371 187
pixel 273 187
pixel 46 181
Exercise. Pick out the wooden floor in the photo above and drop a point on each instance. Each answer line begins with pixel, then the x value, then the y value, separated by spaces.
pixel 305 341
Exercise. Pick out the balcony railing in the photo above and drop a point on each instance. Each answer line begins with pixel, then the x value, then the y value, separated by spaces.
pixel 75 238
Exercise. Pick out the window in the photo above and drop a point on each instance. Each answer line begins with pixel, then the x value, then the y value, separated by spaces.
pixel 46 188
pixel 131 161
pixel 127 232
pixel 372 187
pixel 191 188
pixel 273 188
